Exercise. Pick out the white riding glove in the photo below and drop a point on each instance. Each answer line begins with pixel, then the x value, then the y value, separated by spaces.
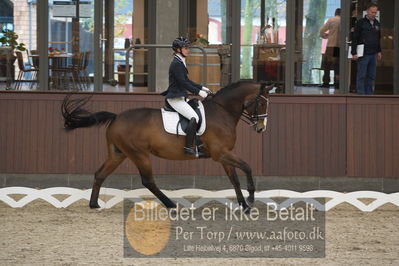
pixel 206 89
pixel 203 94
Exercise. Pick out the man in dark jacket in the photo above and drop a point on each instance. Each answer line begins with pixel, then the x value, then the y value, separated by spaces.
pixel 367 32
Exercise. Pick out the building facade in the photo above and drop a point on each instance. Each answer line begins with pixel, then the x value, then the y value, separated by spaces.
pixel 265 40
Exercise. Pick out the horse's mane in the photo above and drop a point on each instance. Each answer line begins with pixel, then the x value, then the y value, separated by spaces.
pixel 234 85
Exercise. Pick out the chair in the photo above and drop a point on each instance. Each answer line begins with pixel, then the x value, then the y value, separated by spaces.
pixel 22 71
pixel 29 63
pixel 85 74
pixel 35 60
pixel 78 69
pixel 71 72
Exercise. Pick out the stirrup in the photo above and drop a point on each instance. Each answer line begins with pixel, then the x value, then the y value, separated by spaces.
pixel 191 151
pixel 201 149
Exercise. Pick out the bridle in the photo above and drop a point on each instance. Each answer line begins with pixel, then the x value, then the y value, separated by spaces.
pixel 245 116
pixel 253 119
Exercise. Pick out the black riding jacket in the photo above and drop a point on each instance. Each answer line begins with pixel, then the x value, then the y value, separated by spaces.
pixel 179 82
pixel 367 34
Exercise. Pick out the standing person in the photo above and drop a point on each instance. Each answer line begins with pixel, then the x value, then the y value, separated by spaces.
pixel 330 59
pixel 367 32
pixel 179 84
pixel 353 23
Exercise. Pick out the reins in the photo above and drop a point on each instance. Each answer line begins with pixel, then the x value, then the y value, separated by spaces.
pixel 245 116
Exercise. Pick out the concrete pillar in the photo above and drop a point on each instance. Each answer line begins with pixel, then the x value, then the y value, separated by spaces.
pixel 167 29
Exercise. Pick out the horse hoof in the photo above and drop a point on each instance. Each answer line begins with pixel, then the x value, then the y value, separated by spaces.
pixel 173 211
pixel 94 205
pixel 250 200
pixel 171 205
pixel 245 207
pixel 247 210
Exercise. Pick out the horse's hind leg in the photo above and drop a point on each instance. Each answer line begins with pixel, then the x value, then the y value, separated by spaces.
pixel 114 160
pixel 143 163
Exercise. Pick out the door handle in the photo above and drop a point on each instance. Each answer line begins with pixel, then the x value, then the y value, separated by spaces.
pixel 102 40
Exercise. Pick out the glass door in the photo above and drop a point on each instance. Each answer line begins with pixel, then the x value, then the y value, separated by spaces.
pixel 125 23
pixel 384 74
pixel 73 40
pixel 263 41
pixel 82 43
pixel 209 27
pixel 317 47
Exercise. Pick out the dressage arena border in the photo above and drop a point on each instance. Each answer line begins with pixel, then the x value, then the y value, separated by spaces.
pixel 118 195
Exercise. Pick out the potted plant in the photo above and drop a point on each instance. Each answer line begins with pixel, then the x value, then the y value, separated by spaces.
pixel 9 39
pixel 201 41
pixel 9 43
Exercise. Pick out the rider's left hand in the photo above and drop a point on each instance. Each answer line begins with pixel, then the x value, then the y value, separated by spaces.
pixel 203 94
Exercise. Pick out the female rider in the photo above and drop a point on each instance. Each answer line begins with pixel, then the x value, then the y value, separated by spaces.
pixel 179 84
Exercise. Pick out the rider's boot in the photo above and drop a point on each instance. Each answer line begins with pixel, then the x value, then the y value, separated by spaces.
pixel 191 131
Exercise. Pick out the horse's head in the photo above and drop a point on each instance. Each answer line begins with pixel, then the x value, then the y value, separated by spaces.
pixel 256 108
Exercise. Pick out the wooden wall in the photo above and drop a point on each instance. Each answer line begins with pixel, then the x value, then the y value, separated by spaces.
pixel 373 136
pixel 306 136
pixel 33 140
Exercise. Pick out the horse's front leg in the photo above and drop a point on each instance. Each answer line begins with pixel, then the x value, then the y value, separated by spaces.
pixel 232 174
pixel 234 161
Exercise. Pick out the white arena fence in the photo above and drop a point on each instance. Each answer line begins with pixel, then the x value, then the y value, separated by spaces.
pixel 332 198
pixel 116 196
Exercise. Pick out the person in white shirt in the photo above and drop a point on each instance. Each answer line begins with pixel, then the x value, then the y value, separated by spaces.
pixel 330 59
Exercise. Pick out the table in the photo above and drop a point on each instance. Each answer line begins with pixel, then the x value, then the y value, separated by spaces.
pixel 58 61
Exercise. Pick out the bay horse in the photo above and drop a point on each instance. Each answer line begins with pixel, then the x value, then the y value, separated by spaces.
pixel 137 133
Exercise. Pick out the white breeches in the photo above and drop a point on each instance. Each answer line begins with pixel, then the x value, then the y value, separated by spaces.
pixel 183 108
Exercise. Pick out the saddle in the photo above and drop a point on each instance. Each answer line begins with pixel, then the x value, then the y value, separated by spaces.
pixel 175 123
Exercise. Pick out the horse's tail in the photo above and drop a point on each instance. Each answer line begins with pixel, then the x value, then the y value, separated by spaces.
pixel 75 116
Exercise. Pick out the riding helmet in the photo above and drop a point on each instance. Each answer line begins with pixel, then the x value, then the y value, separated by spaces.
pixel 179 43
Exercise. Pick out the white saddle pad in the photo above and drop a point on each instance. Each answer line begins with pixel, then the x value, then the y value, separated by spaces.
pixel 170 120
